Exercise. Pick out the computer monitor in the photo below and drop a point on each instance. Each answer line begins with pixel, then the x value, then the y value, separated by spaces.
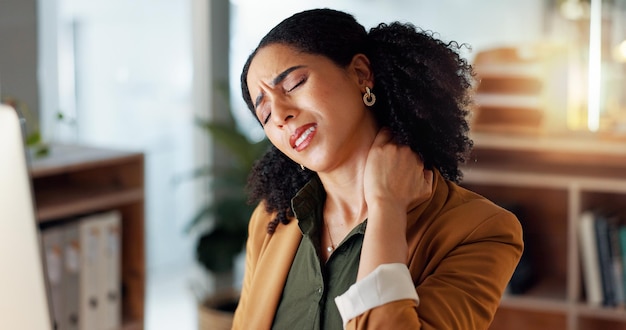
pixel 24 300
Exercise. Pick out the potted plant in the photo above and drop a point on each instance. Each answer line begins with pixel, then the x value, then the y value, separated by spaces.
pixel 34 142
pixel 221 224
pixel 229 210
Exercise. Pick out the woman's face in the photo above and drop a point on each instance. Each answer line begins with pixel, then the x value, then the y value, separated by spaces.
pixel 310 108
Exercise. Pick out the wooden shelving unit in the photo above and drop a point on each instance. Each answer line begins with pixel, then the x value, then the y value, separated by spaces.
pixel 74 181
pixel 551 180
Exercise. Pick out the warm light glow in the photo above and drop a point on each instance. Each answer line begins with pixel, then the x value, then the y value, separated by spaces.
pixel 572 9
pixel 621 52
pixel 595 65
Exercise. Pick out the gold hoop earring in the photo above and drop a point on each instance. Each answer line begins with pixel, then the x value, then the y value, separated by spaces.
pixel 369 98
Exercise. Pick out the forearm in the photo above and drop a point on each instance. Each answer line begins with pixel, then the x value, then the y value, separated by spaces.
pixel 385 238
pixel 383 276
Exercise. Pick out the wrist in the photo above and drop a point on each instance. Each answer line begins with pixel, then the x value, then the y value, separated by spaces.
pixel 385 239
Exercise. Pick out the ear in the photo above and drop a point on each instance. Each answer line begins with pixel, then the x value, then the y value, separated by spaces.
pixel 362 69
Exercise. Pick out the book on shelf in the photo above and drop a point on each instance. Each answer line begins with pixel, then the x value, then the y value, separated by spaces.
pixel 605 260
pixel 71 276
pixel 83 269
pixel 589 259
pixel 602 240
pixel 524 276
pixel 622 244
pixel 617 265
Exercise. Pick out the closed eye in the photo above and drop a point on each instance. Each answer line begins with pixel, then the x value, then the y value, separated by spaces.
pixel 267 119
pixel 263 114
pixel 298 84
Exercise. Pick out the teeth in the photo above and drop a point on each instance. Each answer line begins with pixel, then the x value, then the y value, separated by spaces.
pixel 305 135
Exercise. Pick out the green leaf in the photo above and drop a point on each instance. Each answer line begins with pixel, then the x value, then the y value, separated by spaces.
pixel 231 214
pixel 228 136
pixel 33 138
pixel 42 150
pixel 228 210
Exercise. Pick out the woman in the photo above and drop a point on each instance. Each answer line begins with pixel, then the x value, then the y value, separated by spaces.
pixel 360 222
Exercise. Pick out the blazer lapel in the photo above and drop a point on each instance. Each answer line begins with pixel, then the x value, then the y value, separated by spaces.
pixel 271 274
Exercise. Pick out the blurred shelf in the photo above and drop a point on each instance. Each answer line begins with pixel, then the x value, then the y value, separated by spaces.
pixel 549 182
pixel 74 181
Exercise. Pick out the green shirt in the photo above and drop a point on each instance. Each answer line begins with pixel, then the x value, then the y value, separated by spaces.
pixel 308 298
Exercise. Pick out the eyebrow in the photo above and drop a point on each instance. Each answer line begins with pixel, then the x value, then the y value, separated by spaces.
pixel 280 77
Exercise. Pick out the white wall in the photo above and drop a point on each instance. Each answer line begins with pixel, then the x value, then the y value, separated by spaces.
pixel 132 72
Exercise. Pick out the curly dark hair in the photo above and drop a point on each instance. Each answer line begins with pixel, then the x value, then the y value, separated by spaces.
pixel 422 88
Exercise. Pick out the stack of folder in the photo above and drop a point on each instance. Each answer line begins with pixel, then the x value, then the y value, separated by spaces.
pixel 83 268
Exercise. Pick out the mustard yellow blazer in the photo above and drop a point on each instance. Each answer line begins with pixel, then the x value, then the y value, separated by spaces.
pixel 463 250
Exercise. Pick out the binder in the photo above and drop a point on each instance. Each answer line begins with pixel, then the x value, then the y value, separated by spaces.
pixel 52 240
pixel 89 305
pixel 100 278
pixel 71 269
pixel 110 291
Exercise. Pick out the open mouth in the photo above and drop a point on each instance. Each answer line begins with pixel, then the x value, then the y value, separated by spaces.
pixel 303 136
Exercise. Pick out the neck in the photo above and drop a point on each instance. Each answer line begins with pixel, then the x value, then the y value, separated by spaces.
pixel 345 201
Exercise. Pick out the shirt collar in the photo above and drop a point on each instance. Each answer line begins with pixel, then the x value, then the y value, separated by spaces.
pixel 308 202
pixel 307 205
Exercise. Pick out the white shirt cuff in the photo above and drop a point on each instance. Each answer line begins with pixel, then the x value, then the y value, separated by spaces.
pixel 387 283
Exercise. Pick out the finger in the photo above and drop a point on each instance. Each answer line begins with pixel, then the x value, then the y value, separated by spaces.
pixel 428 176
pixel 383 137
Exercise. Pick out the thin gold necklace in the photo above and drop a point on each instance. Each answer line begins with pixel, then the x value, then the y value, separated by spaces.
pixel 331 247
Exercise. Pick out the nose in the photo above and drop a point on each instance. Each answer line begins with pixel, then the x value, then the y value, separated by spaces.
pixel 282 111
